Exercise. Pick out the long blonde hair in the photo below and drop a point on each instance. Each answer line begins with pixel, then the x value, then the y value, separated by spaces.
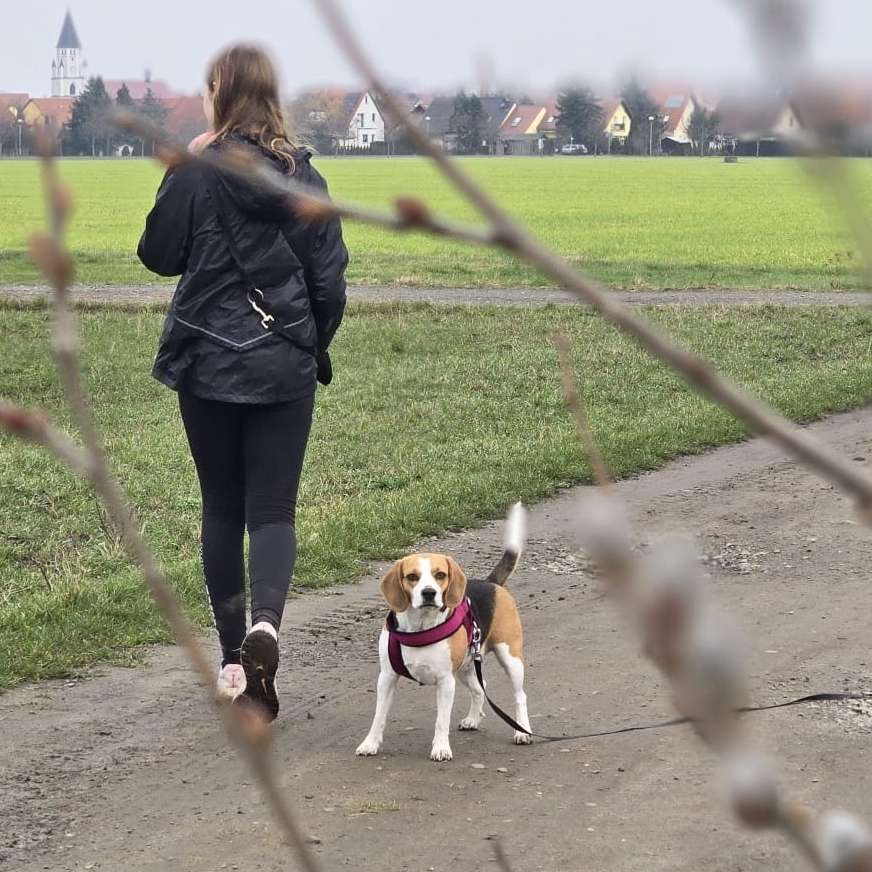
pixel 245 98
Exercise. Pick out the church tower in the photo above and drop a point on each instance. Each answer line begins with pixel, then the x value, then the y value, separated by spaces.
pixel 68 68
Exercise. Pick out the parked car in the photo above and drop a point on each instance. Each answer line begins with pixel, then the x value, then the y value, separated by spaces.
pixel 573 148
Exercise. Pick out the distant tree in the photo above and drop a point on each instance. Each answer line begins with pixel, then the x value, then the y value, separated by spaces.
pixel 8 131
pixel 702 128
pixel 152 109
pixel 467 123
pixel 318 119
pixel 579 116
pixel 396 136
pixel 89 120
pixel 641 107
pixel 123 99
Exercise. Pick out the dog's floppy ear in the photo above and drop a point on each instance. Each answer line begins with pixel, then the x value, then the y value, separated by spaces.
pixel 456 590
pixel 392 589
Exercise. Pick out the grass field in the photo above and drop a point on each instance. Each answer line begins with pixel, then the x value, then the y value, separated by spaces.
pixel 632 223
pixel 397 450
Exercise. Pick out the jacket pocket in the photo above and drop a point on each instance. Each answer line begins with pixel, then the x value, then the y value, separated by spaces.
pixel 239 321
pixel 299 331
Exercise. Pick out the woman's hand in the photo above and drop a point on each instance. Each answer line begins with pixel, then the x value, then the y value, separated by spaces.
pixel 200 143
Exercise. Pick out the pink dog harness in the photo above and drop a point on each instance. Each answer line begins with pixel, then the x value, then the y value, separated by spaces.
pixel 461 617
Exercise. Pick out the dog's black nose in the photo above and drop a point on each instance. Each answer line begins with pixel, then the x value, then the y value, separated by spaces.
pixel 428 594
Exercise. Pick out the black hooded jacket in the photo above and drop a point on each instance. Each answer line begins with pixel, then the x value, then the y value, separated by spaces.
pixel 213 343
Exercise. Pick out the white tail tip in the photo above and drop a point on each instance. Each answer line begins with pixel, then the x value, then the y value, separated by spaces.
pixel 516 529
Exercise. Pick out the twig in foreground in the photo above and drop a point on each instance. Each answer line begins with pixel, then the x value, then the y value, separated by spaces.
pixel 576 404
pixel 663 594
pixel 409 213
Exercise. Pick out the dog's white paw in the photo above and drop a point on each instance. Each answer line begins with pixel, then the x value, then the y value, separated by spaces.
pixel 368 748
pixel 468 724
pixel 522 738
pixel 441 753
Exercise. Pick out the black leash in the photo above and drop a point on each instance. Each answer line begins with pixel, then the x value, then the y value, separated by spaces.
pixel 675 722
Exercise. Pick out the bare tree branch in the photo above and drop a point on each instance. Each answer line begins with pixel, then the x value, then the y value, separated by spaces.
pixel 691 644
pixel 410 213
pixel 574 400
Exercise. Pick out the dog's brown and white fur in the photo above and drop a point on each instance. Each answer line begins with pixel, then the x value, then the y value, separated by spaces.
pixel 422 590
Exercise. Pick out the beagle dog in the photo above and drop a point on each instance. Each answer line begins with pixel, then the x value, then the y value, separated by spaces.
pixel 425 591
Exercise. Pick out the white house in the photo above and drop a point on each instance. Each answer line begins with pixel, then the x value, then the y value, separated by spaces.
pixel 366 124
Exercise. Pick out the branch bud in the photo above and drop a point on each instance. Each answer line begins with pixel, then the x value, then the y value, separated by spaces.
pixel 22 422
pixel 843 842
pixel 604 530
pixel 669 589
pixel 311 210
pixel 53 260
pixel 412 211
pixel 753 791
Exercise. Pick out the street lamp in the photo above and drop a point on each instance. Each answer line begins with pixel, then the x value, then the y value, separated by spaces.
pixel 428 120
pixel 20 125
pixel 650 135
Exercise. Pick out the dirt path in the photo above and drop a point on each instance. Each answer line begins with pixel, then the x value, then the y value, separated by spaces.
pixel 491 296
pixel 126 770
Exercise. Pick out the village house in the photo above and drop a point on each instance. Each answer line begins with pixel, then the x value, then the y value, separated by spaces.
pixel 675 108
pixel 519 133
pixel 617 123
pixel 548 127
pixel 439 124
pixel 48 112
pixel 365 121
pixel 11 108
pixel 757 126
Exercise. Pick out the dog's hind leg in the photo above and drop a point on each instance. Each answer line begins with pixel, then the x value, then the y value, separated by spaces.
pixel 387 685
pixel 514 667
pixel 476 702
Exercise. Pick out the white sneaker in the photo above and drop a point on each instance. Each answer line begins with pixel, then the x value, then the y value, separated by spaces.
pixel 266 627
pixel 231 682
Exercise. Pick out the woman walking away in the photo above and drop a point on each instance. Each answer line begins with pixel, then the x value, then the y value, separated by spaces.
pixel 260 297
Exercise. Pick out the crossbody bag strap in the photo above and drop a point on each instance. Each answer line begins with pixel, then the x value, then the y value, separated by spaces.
pixel 254 294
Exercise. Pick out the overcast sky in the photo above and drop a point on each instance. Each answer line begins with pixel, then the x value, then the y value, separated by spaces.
pixel 434 44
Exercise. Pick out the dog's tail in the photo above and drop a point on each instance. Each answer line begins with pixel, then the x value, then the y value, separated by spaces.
pixel 515 535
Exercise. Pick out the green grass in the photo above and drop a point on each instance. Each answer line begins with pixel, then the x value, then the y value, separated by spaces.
pixel 632 223
pixel 438 418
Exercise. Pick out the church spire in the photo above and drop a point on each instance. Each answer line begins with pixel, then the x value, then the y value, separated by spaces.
pixel 68 38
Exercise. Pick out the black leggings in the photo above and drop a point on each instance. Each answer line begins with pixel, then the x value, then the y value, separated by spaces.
pixel 249 459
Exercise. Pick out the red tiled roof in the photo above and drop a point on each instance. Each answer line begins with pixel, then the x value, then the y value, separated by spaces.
pixel 750 118
pixel 56 110
pixel 185 118
pixel 521 118
pixel 671 101
pixel 138 88
pixel 12 104
pixel 14 99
